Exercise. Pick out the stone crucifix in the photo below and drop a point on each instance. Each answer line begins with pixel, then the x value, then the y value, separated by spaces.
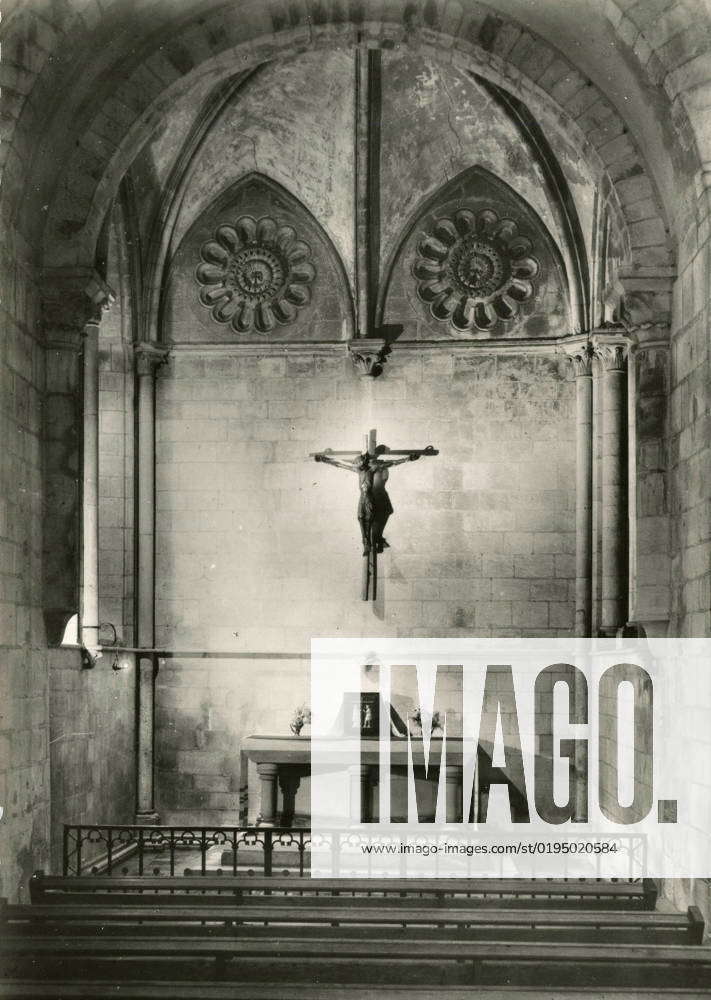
pixel 374 506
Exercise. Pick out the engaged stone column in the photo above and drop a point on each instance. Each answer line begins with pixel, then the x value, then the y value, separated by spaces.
pixel 581 356
pixel 148 357
pixel 73 302
pixel 611 351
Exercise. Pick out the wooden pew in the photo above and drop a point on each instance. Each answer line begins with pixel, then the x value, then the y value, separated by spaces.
pixel 146 924
pixel 37 917
pixel 142 990
pixel 53 889
pixel 286 951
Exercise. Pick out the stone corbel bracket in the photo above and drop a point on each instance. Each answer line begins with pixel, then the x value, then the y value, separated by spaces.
pixel 368 355
pixel 101 295
pixel 644 309
pixel 72 300
pixel 150 356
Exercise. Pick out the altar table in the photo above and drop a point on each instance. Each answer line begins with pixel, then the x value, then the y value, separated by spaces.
pixel 282 761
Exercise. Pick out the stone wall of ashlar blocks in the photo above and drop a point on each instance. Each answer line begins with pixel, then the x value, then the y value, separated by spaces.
pixel 690 466
pixel 690 433
pixel 258 547
pixel 24 688
pixel 92 745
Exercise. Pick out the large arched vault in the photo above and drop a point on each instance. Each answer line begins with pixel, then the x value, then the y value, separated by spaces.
pixel 89 141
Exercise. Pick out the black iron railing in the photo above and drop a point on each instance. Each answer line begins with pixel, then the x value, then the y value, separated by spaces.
pixel 115 849
pixel 171 850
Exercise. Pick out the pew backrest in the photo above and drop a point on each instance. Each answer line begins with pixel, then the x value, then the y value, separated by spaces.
pixel 49 889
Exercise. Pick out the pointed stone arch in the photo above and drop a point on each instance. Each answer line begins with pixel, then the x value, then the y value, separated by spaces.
pixel 256 266
pixel 475 261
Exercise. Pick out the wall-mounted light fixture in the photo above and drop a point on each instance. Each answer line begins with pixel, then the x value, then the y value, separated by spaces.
pixel 108 641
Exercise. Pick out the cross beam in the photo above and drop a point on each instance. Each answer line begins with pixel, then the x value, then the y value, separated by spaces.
pixel 384 450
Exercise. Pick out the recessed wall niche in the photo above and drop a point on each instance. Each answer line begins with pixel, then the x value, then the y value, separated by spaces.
pixel 256 267
pixel 476 262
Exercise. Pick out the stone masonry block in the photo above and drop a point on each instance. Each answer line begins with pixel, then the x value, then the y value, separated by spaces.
pixel 533 566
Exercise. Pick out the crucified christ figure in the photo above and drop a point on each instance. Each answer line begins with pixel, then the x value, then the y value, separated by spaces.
pixel 374 506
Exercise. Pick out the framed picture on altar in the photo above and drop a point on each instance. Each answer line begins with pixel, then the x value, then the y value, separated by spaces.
pixel 361 713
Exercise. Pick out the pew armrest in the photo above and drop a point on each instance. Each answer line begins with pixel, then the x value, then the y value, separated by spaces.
pixel 696 925
pixel 650 890
pixel 36 886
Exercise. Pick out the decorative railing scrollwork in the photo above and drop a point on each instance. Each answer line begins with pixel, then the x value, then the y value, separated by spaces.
pixel 260 851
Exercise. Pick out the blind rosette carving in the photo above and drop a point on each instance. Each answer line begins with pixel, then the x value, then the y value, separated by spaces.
pixel 255 274
pixel 473 270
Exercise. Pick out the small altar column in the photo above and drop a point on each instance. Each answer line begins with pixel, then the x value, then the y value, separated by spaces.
pixel 289 783
pixel 268 797
pixel 361 809
pixel 454 791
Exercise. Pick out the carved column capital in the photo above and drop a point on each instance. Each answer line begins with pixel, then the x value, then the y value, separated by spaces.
pixel 611 350
pixel 368 355
pixel 581 355
pixel 149 356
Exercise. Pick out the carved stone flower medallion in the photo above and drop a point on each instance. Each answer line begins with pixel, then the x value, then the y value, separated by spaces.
pixel 255 274
pixel 474 270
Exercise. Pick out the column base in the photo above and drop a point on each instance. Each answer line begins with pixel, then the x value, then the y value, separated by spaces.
pixel 147 819
pixel 630 630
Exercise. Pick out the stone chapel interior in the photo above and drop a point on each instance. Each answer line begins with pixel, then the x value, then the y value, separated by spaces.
pixel 236 235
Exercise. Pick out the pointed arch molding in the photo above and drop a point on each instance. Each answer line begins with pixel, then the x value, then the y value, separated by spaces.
pixel 476 261
pixel 256 267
